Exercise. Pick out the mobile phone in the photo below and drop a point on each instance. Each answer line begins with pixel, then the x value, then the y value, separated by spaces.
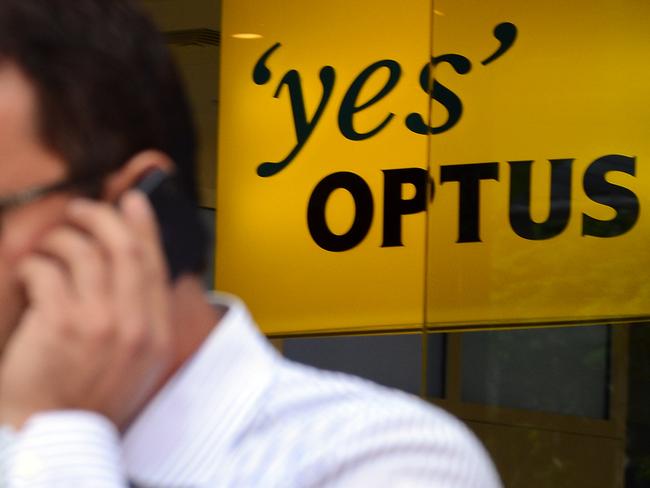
pixel 183 236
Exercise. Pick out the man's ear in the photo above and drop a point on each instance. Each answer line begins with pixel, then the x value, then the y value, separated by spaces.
pixel 133 170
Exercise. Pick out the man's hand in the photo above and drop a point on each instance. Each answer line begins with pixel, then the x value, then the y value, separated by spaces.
pixel 97 333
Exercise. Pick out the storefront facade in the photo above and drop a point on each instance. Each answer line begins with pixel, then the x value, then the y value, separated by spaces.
pixel 445 197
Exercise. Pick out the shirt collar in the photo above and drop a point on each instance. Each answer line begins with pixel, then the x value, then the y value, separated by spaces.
pixel 180 436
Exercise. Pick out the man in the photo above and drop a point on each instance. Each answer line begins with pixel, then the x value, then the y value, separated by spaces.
pixel 113 374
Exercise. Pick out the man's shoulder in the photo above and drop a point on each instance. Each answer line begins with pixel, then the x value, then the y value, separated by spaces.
pixel 333 419
pixel 331 394
pixel 331 397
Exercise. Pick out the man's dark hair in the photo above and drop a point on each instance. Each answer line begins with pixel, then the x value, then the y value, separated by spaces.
pixel 105 83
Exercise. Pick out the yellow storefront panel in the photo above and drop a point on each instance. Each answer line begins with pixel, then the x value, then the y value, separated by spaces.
pixel 567 100
pixel 340 76
pixel 533 139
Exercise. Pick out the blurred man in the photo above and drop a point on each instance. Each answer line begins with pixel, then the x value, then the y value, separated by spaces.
pixel 113 373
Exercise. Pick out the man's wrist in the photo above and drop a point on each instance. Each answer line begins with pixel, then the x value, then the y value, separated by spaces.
pixel 14 419
pixel 15 414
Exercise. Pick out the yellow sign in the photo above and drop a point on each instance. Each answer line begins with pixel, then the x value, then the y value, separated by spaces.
pixel 387 167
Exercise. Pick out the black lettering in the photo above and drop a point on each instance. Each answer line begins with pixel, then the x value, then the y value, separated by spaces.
pixel 395 206
pixel 440 93
pixel 262 74
pixel 469 177
pixel 316 221
pixel 302 124
pixel 622 200
pixel 348 104
pixel 505 33
pixel 560 208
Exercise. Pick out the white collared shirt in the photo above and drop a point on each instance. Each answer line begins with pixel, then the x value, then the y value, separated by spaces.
pixel 240 415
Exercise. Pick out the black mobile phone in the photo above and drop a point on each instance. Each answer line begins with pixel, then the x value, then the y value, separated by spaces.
pixel 183 236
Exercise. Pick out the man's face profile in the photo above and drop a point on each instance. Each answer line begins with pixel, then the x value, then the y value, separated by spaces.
pixel 25 163
pixel 79 99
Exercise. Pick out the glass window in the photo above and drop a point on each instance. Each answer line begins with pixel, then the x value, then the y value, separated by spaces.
pixel 560 370
pixel 436 357
pixel 391 360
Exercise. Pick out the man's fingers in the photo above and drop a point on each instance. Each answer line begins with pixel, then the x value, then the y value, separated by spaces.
pixel 83 259
pixel 46 285
pixel 103 223
pixel 127 281
pixel 141 218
